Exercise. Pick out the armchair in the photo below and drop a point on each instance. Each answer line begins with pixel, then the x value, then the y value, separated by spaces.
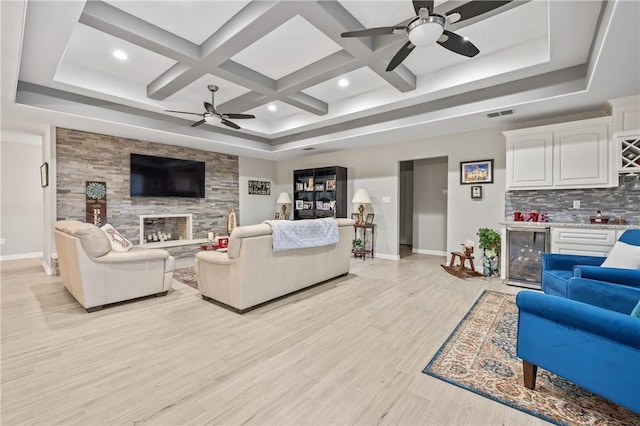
pixel 557 269
pixel 96 275
pixel 589 338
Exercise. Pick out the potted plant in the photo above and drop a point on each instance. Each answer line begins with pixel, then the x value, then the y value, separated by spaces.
pixel 489 242
pixel 358 244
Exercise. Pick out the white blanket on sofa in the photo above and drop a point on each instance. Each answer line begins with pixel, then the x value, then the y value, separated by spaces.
pixel 294 234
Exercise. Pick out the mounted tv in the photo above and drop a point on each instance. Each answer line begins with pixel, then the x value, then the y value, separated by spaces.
pixel 166 177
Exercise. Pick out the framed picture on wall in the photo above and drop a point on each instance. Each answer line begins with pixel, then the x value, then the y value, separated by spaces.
pixel 476 192
pixel 476 172
pixel 259 187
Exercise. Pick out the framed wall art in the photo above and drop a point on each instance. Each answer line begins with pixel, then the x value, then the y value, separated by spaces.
pixel 259 187
pixel 476 172
pixel 476 192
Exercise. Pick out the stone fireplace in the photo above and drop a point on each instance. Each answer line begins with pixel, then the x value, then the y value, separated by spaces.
pixel 166 230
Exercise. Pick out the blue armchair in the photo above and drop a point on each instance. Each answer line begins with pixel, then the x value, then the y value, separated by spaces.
pixel 557 269
pixel 589 338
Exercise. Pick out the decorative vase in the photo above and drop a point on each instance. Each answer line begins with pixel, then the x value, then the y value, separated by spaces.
pixel 490 263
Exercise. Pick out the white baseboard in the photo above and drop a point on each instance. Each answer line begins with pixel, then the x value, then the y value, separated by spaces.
pixel 430 252
pixel 21 256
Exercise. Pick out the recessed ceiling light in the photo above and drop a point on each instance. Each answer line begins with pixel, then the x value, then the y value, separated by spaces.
pixel 343 82
pixel 119 54
pixel 272 108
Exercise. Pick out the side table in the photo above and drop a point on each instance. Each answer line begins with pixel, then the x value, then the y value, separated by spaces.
pixel 364 227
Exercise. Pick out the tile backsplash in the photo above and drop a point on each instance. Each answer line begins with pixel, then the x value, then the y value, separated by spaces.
pixel 614 202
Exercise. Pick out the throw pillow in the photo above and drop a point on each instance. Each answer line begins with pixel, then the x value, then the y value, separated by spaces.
pixel 623 255
pixel 636 311
pixel 118 242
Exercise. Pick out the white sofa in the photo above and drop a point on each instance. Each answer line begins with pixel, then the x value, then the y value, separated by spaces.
pixel 251 273
pixel 96 276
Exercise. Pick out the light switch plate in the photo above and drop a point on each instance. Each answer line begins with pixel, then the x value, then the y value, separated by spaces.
pixel 386 199
pixel 576 204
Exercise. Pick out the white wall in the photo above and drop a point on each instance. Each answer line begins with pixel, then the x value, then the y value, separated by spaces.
pixel 430 178
pixel 21 208
pixel 376 169
pixel 257 208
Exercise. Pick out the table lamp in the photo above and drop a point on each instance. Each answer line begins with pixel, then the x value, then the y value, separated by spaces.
pixel 361 197
pixel 284 199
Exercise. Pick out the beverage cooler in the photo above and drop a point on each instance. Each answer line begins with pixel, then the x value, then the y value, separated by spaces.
pixel 523 250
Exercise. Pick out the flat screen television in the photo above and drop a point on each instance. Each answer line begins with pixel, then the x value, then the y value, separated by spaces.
pixel 166 177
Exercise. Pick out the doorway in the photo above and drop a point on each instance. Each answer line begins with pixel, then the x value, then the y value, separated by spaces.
pixel 423 206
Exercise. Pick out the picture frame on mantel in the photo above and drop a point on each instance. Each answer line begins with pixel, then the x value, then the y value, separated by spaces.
pixel 44 175
pixel 475 172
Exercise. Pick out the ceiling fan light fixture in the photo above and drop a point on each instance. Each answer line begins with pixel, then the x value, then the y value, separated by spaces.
pixel 424 32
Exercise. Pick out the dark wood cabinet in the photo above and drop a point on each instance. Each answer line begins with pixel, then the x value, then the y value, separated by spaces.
pixel 320 192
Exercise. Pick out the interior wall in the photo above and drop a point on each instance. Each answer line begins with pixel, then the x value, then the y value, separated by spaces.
pixel 21 204
pixel 430 206
pixel 257 208
pixel 376 169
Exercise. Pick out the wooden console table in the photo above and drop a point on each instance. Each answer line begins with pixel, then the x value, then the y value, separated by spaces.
pixel 364 251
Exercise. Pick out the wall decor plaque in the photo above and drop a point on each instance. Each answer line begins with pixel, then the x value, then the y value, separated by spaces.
pixel 259 187
pixel 96 195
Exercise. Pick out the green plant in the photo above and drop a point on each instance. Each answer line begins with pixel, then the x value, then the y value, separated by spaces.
pixel 358 243
pixel 489 239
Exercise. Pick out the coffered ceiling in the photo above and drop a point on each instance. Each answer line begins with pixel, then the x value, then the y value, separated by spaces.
pixel 286 63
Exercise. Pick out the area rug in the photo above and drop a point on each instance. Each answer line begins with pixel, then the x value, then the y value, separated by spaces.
pixel 186 276
pixel 480 356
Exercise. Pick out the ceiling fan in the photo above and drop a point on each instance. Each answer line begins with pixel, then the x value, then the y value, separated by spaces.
pixel 428 28
pixel 211 115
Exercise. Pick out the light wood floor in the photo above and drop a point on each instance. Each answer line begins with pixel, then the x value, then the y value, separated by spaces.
pixel 348 352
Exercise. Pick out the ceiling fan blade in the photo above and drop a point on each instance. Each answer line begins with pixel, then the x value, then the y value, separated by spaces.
pixel 419 4
pixel 183 112
pixel 400 56
pixel 457 44
pixel 197 123
pixel 209 107
pixel 239 116
pixel 475 8
pixel 372 31
pixel 229 123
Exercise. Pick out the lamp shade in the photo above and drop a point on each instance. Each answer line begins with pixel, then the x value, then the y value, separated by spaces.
pixel 362 197
pixel 284 198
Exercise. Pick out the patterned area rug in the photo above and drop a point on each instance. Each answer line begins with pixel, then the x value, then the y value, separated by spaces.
pixel 186 276
pixel 480 356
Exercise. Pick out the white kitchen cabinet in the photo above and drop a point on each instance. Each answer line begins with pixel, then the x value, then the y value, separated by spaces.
pixel 577 154
pixel 626 115
pixel 628 152
pixel 530 160
pixel 587 242
pixel 581 156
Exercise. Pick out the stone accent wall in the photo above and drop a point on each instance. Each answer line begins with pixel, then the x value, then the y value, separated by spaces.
pixel 614 202
pixel 84 156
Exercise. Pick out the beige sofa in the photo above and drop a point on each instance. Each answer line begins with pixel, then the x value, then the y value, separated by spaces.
pixel 251 273
pixel 96 276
